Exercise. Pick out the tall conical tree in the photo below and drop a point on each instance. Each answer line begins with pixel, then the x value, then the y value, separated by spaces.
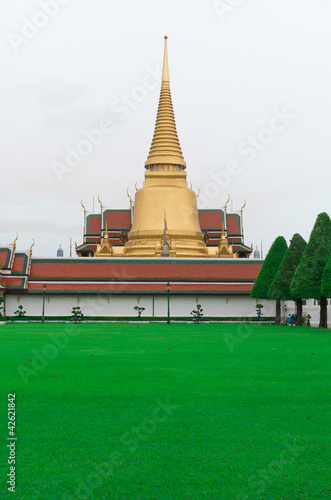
pixel 307 280
pixel 280 287
pixel 326 280
pixel 268 272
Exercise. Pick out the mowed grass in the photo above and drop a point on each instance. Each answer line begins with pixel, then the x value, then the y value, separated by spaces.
pixel 151 411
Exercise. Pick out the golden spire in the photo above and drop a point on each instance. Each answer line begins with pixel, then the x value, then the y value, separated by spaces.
pixel 106 235
pixel 223 237
pixel 224 249
pixel 165 148
pixel 165 248
pixel 165 72
pixel 105 248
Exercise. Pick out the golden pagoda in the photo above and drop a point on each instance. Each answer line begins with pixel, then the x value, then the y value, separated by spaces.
pixel 224 249
pixel 105 249
pixel 165 192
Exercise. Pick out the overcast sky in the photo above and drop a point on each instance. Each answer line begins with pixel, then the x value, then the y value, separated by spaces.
pixel 251 86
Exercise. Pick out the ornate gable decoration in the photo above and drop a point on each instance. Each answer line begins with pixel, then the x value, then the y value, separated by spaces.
pixel 224 249
pixel 105 249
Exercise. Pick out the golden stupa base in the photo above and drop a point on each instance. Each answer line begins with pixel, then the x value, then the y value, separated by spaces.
pixel 152 247
pixel 165 209
pixel 148 249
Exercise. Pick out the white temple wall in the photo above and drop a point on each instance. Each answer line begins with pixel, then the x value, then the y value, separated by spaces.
pixel 123 305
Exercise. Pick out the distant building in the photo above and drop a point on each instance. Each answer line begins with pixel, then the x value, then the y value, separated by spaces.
pixel 60 252
pixel 257 254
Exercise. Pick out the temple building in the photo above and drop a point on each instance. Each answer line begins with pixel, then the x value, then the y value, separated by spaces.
pixel 130 256
pixel 139 231
pixel 118 224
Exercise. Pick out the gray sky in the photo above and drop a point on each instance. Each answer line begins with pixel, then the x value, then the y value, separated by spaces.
pixel 250 82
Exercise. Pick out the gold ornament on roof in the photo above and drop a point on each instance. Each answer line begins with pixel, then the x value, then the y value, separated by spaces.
pixel 33 244
pixel 224 249
pixel 105 248
pixel 3 285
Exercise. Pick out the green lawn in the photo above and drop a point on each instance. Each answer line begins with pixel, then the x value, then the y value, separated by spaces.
pixel 180 412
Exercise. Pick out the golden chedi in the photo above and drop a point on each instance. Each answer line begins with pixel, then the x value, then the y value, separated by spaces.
pixel 105 249
pixel 165 194
pixel 224 249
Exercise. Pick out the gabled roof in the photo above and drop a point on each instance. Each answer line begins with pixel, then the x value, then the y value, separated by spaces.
pixel 6 256
pixel 117 219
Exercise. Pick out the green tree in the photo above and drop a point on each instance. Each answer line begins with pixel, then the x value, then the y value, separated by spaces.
pixel 307 279
pixel 280 287
pixel 139 310
pixel 197 314
pixel 20 313
pixel 326 279
pixel 76 314
pixel 259 308
pixel 268 272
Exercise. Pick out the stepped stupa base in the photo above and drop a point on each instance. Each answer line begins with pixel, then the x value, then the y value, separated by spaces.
pixel 152 247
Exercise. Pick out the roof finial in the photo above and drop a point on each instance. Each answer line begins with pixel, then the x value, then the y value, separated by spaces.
pixel 33 243
pixel 165 73
pixel 15 241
